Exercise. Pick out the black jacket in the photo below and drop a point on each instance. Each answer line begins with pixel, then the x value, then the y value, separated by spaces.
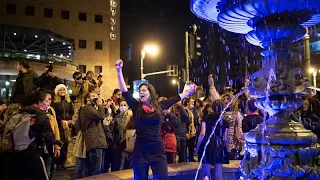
pixel 64 111
pixel 183 117
pixel 47 82
pixel 41 129
pixel 25 88
pixel 171 123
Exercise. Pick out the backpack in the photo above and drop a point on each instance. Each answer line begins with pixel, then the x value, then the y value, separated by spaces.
pixel 15 136
pixel 169 142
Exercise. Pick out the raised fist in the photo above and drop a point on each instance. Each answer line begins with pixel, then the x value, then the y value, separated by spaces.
pixel 119 64
pixel 210 80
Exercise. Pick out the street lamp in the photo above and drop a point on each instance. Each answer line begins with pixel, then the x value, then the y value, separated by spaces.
pixel 150 49
pixel 176 82
pixel 313 71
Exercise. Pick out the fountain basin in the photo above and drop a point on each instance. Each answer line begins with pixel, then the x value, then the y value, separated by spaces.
pixel 178 171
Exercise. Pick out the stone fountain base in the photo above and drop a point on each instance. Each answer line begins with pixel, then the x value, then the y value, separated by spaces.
pixel 285 150
pixel 179 171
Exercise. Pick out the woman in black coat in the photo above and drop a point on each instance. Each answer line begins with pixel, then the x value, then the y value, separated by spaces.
pixel 64 112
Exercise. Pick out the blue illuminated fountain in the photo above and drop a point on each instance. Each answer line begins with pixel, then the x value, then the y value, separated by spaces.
pixel 278 148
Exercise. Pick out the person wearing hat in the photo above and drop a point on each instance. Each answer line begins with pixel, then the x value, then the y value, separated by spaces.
pixel 64 111
pixel 48 80
pixel 25 88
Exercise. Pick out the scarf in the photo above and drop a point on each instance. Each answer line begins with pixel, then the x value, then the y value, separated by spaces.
pixel 147 109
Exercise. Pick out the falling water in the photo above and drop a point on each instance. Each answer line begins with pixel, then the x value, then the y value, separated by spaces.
pixel 272 76
pixel 214 129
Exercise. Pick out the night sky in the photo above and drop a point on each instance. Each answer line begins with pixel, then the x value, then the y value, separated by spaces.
pixel 163 22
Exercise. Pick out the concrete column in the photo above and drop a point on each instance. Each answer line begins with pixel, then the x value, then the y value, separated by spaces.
pixel 307 58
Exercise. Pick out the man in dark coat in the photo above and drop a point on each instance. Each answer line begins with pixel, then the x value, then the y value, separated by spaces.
pixel 25 88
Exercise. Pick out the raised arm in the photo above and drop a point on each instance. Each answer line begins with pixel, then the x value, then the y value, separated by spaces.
pixel 192 90
pixel 166 104
pixel 133 103
pixel 122 83
pixel 239 126
pixel 213 91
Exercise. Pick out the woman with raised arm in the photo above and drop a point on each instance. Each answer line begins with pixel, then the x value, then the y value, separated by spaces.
pixel 232 116
pixel 147 113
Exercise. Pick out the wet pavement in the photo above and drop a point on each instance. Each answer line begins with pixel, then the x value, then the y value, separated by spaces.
pixel 64 175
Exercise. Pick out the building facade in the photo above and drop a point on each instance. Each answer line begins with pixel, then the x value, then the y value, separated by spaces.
pixel 298 51
pixel 94 27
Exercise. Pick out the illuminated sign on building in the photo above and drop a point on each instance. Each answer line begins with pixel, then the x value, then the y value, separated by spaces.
pixel 113 22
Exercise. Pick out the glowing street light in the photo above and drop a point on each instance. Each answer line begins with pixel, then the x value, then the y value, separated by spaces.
pixel 176 82
pixel 150 49
pixel 311 70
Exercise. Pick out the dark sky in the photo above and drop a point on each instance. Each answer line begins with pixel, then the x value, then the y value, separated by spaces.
pixel 163 22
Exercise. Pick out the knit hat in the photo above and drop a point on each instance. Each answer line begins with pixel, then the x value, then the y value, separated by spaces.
pixel 58 87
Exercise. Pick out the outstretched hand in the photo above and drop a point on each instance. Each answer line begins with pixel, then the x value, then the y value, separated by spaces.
pixel 193 88
pixel 119 64
pixel 210 80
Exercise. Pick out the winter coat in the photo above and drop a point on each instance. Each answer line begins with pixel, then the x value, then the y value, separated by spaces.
pixel 47 82
pixel 91 124
pixel 171 123
pixel 184 119
pixel 64 111
pixel 80 91
pixel 41 129
pixel 54 126
pixel 118 127
pixel 30 81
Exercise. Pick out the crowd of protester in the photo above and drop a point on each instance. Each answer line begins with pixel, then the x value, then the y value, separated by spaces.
pixel 121 132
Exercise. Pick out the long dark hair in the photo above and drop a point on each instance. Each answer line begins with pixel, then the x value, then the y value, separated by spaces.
pixel 115 91
pixel 205 110
pixel 217 106
pixel 153 99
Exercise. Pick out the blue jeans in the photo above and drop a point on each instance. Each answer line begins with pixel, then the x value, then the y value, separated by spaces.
pixel 157 161
pixel 95 161
pixel 126 160
pixel 81 168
